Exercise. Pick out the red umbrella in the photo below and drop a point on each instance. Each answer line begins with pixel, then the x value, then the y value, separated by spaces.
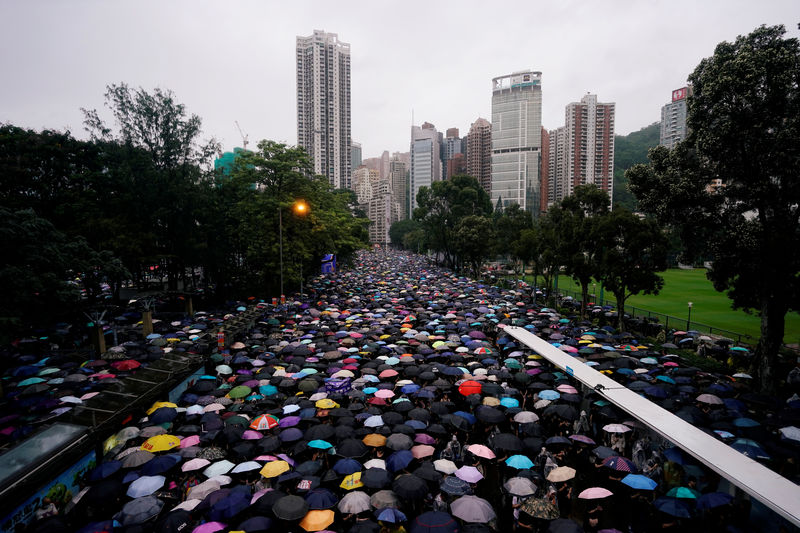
pixel 470 387
pixel 127 364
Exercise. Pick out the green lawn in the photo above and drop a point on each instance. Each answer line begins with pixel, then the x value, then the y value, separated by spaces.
pixel 709 307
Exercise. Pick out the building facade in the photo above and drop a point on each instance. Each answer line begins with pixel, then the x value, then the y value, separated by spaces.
pixel 555 164
pixel 398 184
pixel 323 105
pixel 479 153
pixel 426 165
pixel 517 139
pixel 589 145
pixel 355 155
pixel 673 119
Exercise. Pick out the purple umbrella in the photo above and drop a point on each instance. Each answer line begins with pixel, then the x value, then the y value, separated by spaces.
pixel 289 421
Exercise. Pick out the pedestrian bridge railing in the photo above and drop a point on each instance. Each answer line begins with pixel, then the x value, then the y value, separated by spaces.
pixel 761 483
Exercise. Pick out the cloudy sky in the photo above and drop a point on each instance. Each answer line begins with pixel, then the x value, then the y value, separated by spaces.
pixel 234 60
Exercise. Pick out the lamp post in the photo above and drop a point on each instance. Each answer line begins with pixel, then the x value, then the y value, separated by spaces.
pixel 689 319
pixel 300 208
pixel 594 293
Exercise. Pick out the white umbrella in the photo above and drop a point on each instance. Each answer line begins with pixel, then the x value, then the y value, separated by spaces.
pixel 145 486
pixel 203 489
pixel 195 464
pixel 219 468
pixel 790 433
pixel 616 428
pixel 354 502
pixel 248 466
pixel 373 421
pixel 445 466
pixel 188 505
pixel 375 463
pixel 524 417
pixel 472 509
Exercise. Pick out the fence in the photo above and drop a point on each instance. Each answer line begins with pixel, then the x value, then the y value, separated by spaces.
pixel 668 321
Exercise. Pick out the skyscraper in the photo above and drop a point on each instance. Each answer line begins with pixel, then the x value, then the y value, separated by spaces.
pixel 555 163
pixel 479 153
pixel 589 145
pixel 355 155
pixel 398 184
pixel 673 119
pixel 323 105
pixel 426 165
pixel 516 139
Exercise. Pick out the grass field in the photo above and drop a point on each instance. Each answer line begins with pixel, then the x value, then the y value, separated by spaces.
pixel 709 307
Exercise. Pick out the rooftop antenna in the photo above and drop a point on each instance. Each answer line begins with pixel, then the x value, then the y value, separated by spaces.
pixel 244 137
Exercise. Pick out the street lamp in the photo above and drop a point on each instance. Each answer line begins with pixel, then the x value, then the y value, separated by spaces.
pixel 689 319
pixel 300 207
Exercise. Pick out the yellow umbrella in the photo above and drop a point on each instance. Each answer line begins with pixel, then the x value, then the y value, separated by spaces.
pixel 375 440
pixel 274 469
pixel 326 403
pixel 161 443
pixel 159 405
pixel 353 481
pixel 317 520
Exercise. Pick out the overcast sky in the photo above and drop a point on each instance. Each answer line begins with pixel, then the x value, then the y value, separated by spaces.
pixel 234 60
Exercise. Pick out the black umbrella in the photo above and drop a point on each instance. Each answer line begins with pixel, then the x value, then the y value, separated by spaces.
pixel 290 508
pixel 489 415
pixel 352 448
pixel 376 478
pixel 505 442
pixel 410 487
pixel 561 411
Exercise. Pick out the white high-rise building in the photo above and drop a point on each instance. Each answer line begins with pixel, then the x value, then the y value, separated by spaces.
pixel 517 139
pixel 426 164
pixel 673 119
pixel 323 105
pixel 588 146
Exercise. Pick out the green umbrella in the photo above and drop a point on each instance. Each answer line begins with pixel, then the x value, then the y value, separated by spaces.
pixel 683 492
pixel 239 392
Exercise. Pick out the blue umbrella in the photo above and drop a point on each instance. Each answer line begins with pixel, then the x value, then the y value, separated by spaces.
pixel 347 466
pixel 656 392
pixel 509 402
pixel 713 499
pixel 520 462
pixel 399 460
pixel 750 448
pixel 320 444
pixel 675 455
pixel 104 470
pixel 390 515
pixel 745 423
pixel 160 464
pixel 640 482
pixel 549 395
pixel 469 417
pixel 234 503
pixel 673 507
pixel 321 499
pixel 666 379
pixel 145 486
pixel 434 522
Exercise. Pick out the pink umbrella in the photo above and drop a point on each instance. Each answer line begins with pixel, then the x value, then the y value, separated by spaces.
pixel 195 464
pixel 595 493
pixel 670 363
pixel 470 474
pixel 251 435
pixel 192 440
pixel 388 373
pixel 424 438
pixel 384 393
pixel 209 527
pixel 567 389
pixel 481 451
pixel 422 450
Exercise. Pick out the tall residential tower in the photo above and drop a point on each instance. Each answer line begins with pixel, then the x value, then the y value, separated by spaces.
pixel 323 105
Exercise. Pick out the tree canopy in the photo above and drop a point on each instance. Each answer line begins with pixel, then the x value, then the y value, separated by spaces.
pixel 732 190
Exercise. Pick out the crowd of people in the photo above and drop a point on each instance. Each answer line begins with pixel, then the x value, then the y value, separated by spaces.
pixel 389 399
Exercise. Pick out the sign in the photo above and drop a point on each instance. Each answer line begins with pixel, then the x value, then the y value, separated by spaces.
pixel 679 94
pixel 569 370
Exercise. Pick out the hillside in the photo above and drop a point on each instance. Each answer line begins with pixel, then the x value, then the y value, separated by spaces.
pixel 629 150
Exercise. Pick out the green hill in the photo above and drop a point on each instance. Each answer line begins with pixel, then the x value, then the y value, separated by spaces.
pixel 629 150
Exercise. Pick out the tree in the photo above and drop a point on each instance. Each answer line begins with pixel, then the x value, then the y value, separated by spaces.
pixel 733 189
pixel 630 150
pixel 443 205
pixel 399 229
pixel 632 250
pixel 469 241
pixel 580 214
pixel 539 246
pixel 508 225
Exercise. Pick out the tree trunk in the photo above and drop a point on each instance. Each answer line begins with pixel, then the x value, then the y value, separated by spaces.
pixel 773 315
pixel 584 297
pixel 620 310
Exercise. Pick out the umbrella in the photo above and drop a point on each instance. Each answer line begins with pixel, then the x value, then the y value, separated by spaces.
pixel 564 525
pixel 409 486
pixel 390 515
pixel 472 509
pixel 321 499
pixel 219 468
pixel 455 486
pixel 595 493
pixel 145 486
pixel 616 428
pixel 639 482
pixel 234 503
pixel 194 464
pixel 434 522
pixel 470 387
pixel 264 422
pixel 540 508
pixel 686 493
pixel 470 474
pixel 347 466
pixel 290 508
pixel 520 462
pixel 383 499
pixel 354 502
pixel 399 460
pixel 353 481
pixel 672 507
pixel 274 469
pixel 561 473
pixel 317 520
pixel 376 478
pixel 481 451
pixel 520 486
pixel 209 527
pixel 445 466
pixel 139 510
pixel 712 500
pixel 136 459
pixel 620 464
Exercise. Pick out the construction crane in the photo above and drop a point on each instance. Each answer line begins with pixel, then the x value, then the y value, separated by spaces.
pixel 244 137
